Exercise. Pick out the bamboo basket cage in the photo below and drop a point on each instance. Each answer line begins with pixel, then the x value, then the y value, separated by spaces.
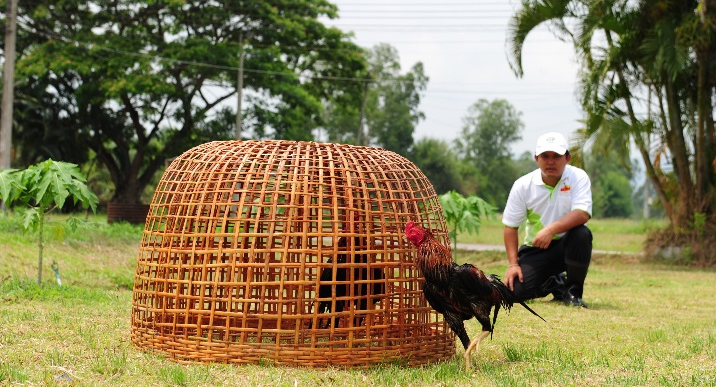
pixel 289 253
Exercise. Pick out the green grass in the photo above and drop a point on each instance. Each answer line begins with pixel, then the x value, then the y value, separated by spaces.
pixel 648 325
pixel 615 235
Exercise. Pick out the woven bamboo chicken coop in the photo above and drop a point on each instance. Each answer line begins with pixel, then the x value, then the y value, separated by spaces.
pixel 289 253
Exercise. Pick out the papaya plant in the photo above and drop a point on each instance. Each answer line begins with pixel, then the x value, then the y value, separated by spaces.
pixel 464 214
pixel 40 189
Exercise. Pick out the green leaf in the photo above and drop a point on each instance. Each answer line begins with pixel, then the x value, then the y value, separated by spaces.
pixel 58 232
pixel 50 183
pixel 86 196
pixel 464 214
pixel 31 219
pixel 74 223
pixel 10 186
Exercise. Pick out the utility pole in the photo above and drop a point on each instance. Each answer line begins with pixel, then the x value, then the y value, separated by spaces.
pixel 360 133
pixel 240 86
pixel 8 89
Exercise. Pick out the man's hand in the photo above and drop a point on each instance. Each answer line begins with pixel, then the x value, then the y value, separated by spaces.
pixel 543 238
pixel 573 219
pixel 513 271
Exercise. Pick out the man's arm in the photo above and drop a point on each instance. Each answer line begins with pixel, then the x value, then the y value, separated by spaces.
pixel 569 221
pixel 510 236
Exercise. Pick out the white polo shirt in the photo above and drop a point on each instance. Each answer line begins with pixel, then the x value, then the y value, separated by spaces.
pixel 541 205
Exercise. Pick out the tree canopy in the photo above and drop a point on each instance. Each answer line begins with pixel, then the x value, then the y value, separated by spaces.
pixel 611 186
pixel 439 163
pixel 489 129
pixel 387 111
pixel 137 80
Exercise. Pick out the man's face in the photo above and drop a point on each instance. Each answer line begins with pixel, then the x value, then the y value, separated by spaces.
pixel 552 165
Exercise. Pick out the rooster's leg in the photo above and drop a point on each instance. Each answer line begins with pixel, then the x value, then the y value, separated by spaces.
pixel 474 345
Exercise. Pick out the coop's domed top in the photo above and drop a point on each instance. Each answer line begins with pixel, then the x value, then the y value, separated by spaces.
pixel 291 252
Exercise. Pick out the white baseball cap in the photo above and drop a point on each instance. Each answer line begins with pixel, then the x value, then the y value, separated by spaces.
pixel 551 142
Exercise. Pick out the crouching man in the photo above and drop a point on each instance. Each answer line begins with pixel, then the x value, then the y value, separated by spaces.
pixel 555 203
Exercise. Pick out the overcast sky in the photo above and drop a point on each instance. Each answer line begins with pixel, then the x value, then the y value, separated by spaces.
pixel 462 45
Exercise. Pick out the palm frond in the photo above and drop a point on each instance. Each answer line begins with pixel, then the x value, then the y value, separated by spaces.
pixel 530 16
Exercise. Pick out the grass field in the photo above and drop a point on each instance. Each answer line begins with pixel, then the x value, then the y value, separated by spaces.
pixel 648 325
pixel 617 235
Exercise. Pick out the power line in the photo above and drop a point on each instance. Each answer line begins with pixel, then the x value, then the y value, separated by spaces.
pixel 199 64
pixel 492 92
pixel 256 71
pixel 541 94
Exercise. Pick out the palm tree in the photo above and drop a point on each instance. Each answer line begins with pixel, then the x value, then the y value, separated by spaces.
pixel 629 50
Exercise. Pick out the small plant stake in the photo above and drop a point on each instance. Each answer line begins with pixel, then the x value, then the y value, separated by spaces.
pixel 56 268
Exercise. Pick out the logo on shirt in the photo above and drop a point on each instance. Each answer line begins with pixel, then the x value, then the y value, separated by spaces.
pixel 564 189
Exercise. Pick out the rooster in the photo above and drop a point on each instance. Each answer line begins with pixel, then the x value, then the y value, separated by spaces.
pixel 459 292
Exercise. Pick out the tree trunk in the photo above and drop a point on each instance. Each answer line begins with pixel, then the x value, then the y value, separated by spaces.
pixel 651 172
pixel 653 177
pixel 126 204
pixel 705 152
pixel 40 244
pixel 680 157
pixel 128 191
pixel 704 109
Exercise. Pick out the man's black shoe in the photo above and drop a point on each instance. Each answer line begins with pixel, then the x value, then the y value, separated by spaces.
pixel 555 285
pixel 570 299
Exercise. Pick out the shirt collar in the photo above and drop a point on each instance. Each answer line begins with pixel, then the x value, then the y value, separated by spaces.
pixel 537 177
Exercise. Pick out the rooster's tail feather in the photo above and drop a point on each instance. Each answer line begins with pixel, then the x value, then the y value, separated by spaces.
pixel 508 296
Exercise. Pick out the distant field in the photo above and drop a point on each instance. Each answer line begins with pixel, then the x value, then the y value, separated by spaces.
pixel 625 235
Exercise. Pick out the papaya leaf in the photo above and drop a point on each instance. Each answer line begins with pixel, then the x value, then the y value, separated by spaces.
pixel 58 232
pixel 31 219
pixel 464 214
pixel 74 223
pixel 10 186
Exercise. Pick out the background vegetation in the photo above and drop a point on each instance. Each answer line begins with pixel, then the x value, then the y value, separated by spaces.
pixel 121 87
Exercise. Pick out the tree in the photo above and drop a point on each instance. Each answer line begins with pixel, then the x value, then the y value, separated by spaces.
pixel 611 186
pixel 389 101
pixel 525 163
pixel 392 108
pixel 489 129
pixel 660 52
pixel 137 78
pixel 43 128
pixel 437 161
pixel 42 188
